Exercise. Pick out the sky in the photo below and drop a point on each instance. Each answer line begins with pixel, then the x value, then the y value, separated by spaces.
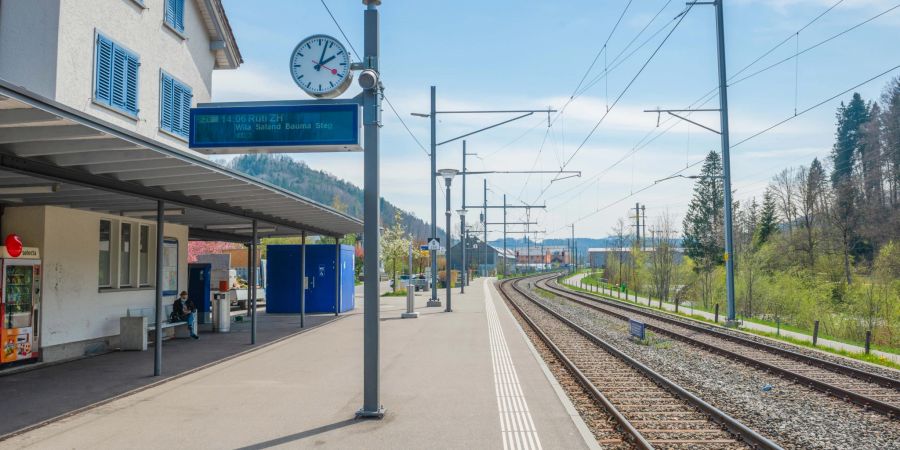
pixel 533 54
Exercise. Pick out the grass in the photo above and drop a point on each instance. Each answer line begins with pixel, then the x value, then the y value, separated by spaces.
pixel 400 293
pixel 874 359
pixel 870 358
pixel 652 340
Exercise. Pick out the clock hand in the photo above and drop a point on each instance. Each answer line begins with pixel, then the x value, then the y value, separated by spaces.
pixel 319 65
pixel 327 59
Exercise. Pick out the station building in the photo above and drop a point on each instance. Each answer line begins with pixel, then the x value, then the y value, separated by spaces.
pixel 94 117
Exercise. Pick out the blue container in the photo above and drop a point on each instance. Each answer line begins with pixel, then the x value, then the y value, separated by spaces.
pixel 284 281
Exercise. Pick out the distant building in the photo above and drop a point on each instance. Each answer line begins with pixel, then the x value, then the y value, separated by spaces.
pixel 481 257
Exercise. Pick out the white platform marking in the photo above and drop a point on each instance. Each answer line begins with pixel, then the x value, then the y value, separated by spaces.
pixel 516 425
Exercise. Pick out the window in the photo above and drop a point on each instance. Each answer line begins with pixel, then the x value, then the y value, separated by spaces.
pixel 144 256
pixel 105 234
pixel 125 255
pixel 174 105
pixel 115 76
pixel 175 15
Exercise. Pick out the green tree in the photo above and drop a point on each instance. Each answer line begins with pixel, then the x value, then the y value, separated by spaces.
pixel 848 138
pixel 768 221
pixel 703 227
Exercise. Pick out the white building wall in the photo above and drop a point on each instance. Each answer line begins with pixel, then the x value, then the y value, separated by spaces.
pixel 28 41
pixel 74 309
pixel 47 46
pixel 143 31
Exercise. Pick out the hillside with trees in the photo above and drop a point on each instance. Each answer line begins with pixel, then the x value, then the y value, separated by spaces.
pixel 325 188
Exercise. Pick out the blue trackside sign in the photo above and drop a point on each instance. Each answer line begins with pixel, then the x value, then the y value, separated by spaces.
pixel 637 329
pixel 276 128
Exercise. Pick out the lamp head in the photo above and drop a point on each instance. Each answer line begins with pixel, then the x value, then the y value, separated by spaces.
pixel 461 212
pixel 448 174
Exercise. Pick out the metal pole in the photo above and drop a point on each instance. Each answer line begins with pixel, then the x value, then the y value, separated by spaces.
pixel 302 279
pixel 157 345
pixel 466 239
pixel 505 273
pixel 433 115
pixel 527 242
pixel 484 217
pixel 337 275
pixel 252 286
pixel 462 225
pixel 371 218
pixel 447 269
pixel 574 260
pixel 726 164
pixel 462 237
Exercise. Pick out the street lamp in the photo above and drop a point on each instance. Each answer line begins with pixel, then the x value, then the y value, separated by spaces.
pixel 462 236
pixel 448 175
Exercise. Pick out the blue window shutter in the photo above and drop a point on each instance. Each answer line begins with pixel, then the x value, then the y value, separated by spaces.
pixel 185 110
pixel 176 108
pixel 131 84
pixel 119 72
pixel 170 12
pixel 103 70
pixel 167 96
pixel 179 15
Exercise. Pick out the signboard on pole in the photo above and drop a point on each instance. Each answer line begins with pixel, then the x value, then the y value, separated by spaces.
pixel 637 329
pixel 434 244
pixel 277 128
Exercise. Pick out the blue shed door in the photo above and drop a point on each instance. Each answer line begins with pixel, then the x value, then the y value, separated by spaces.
pixel 198 290
pixel 320 270
pixel 283 280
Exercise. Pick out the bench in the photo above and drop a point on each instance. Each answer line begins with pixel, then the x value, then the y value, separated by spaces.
pixel 138 322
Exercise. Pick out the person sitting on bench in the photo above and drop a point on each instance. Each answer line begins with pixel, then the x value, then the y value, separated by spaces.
pixel 183 310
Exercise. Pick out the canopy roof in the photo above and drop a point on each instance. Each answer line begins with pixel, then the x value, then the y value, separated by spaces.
pixel 86 163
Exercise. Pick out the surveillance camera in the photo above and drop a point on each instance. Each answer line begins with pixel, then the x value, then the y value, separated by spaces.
pixel 368 79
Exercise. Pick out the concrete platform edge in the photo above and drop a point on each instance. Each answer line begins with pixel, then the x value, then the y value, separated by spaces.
pixel 163 381
pixel 582 427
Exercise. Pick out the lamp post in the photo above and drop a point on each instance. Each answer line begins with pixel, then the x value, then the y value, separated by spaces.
pixel 462 237
pixel 448 175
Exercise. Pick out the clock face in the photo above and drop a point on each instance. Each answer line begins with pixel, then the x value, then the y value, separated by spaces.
pixel 320 65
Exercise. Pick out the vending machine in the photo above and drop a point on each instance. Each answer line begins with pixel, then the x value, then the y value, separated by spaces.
pixel 20 299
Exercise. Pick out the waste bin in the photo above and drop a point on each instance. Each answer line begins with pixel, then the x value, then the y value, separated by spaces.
pixel 221 313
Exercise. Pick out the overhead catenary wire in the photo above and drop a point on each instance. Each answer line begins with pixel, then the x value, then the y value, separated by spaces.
pixel 712 93
pixel 681 17
pixel 753 136
pixel 603 48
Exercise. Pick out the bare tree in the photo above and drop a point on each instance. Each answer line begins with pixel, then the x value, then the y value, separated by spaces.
pixel 662 266
pixel 844 216
pixel 784 186
pixel 811 184
pixel 619 233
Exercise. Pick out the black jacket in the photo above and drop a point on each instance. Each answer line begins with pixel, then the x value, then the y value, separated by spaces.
pixel 179 307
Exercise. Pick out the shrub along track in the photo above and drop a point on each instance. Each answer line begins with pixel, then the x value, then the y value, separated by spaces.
pixel 869 390
pixel 650 410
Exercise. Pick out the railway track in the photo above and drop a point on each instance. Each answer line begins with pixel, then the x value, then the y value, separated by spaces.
pixel 871 391
pixel 651 411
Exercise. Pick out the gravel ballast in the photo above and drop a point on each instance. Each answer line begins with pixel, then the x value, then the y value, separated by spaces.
pixel 790 414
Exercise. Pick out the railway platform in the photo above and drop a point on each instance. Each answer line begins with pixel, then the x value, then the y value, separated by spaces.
pixel 467 379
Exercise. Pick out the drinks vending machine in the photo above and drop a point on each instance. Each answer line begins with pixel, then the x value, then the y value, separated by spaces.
pixel 20 305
